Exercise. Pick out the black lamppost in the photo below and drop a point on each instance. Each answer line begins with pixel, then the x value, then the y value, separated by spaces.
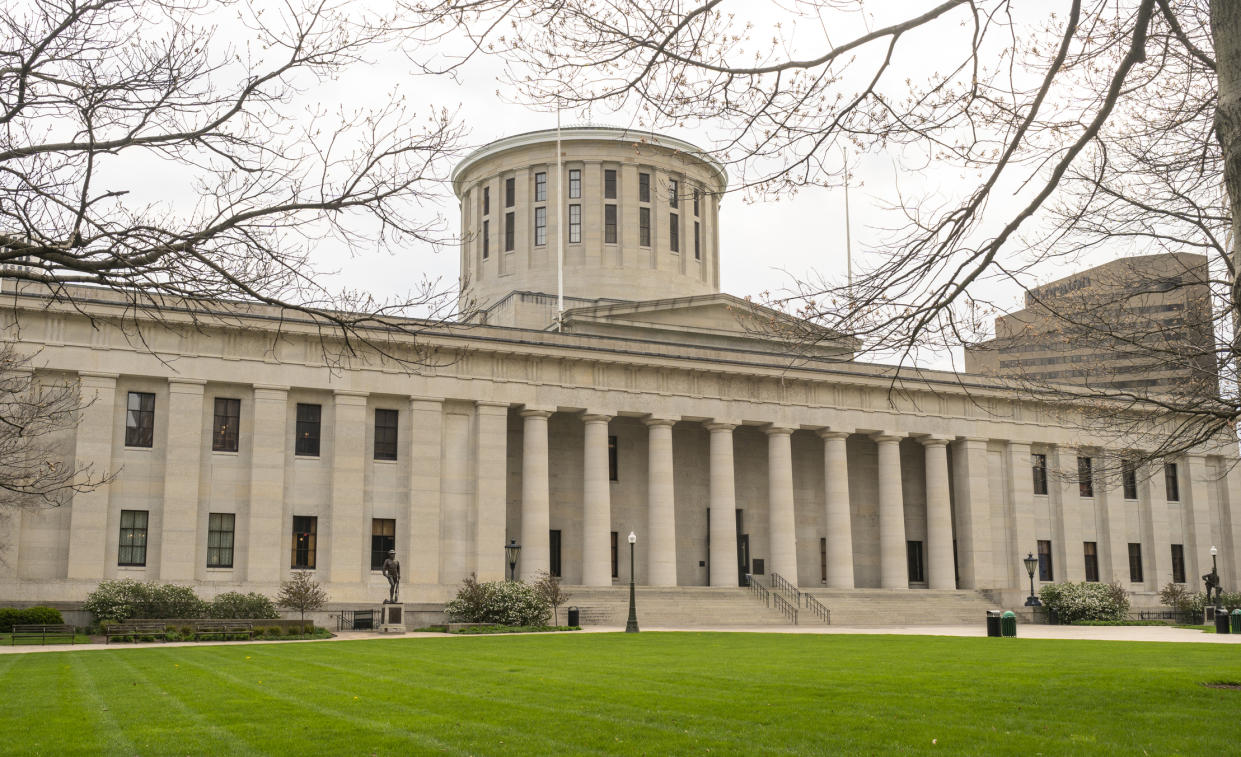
pixel 1031 563
pixel 511 551
pixel 631 625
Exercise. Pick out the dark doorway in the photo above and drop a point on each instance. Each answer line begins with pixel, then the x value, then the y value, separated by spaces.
pixel 553 561
pixel 743 553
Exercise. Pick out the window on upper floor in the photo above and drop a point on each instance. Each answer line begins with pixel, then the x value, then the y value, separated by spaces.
pixel 540 187
pixel 486 239
pixel 1171 482
pixel 1129 479
pixel 644 227
pixel 644 187
pixel 674 232
pixel 697 196
pixel 224 436
pixel 540 226
pixel 1038 464
pixel 486 200
pixel 510 232
pixel 307 442
pixel 609 224
pixel 510 192
pixel 613 460
pixel 575 224
pixel 674 190
pixel 697 243
pixel 386 433
pixel 1085 477
pixel 575 183
pixel 140 420
pixel 609 184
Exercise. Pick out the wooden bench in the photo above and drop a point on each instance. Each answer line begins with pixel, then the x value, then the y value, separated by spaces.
pixel 43 632
pixel 223 628
pixel 136 628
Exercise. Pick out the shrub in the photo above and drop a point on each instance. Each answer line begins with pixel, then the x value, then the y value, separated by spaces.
pixel 506 603
pixel 301 593
pixel 13 616
pixel 548 587
pixel 127 598
pixel 232 604
pixel 1086 601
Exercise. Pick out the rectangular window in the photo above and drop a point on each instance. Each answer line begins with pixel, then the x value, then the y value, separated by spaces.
pixel 304 527
pixel 133 549
pixel 383 538
pixel 1045 573
pixel 615 555
pixel 540 187
pixel 385 433
pixel 575 224
pixel 609 224
pixel 644 227
pixel 486 200
pixel 1135 563
pixel 913 550
pixel 510 192
pixel 1085 477
pixel 674 188
pixel 613 467
pixel 308 417
pixel 1129 479
pixel 553 557
pixel 674 232
pixel 575 183
pixel 1039 465
pixel 486 239
pixel 224 429
pixel 220 539
pixel 140 420
pixel 823 559
pixel 644 187
pixel 697 243
pixel 540 226
pixel 510 231
pixel 1178 563
pixel 696 197
pixel 1090 551
pixel 1171 482
pixel 609 184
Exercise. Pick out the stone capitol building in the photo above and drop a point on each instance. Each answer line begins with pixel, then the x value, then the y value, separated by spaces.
pixel 652 405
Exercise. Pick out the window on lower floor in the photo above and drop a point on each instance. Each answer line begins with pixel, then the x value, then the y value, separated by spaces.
pixel 220 531
pixel 615 555
pixel 1171 482
pixel 540 226
pixel 1038 464
pixel 510 232
pixel 1135 563
pixel 224 430
pixel 609 184
pixel 140 420
pixel 1045 572
pixel 644 227
pixel 613 461
pixel 697 242
pixel 1129 479
pixel 1178 563
pixel 386 433
pixel 133 549
pixel 308 418
pixel 917 571
pixel 383 538
pixel 486 239
pixel 609 224
pixel 1085 477
pixel 1090 551
pixel 575 224
pixel 674 232
pixel 553 557
pixel 304 527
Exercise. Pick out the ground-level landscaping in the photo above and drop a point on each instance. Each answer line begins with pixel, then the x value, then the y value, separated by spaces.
pixel 649 693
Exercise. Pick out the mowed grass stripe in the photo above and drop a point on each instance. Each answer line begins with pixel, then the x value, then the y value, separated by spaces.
pixel 652 693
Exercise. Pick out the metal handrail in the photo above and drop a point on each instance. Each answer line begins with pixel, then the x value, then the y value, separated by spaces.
pixel 782 584
pixel 788 608
pixel 818 608
pixel 759 590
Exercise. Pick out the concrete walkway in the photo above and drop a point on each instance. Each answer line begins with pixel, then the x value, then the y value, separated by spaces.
pixel 1025 631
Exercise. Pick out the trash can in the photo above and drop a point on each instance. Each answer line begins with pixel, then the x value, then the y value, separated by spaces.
pixel 1236 620
pixel 1221 620
pixel 1008 624
pixel 575 617
pixel 993 623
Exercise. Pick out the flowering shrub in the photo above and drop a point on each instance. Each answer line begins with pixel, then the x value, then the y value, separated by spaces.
pixel 506 603
pixel 127 598
pixel 233 604
pixel 1088 600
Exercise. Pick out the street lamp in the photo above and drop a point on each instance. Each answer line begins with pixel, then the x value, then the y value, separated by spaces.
pixel 1031 563
pixel 1212 578
pixel 511 551
pixel 631 625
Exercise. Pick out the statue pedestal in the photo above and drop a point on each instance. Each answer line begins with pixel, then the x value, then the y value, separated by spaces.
pixel 392 618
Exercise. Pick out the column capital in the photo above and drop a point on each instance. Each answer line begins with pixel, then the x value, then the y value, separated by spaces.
pixel 777 430
pixel 535 412
pixel 653 421
pixel 596 418
pixel 491 408
pixel 934 441
pixel 974 439
pixel 827 433
pixel 885 437
pixel 715 427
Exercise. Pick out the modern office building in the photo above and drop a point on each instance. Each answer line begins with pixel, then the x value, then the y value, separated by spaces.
pixel 651 404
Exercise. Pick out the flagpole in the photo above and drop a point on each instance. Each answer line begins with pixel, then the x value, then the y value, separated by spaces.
pixel 559 226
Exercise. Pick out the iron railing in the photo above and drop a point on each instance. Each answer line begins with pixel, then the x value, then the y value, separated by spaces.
pixel 355 620
pixel 759 591
pixel 818 608
pixel 781 584
pixel 783 605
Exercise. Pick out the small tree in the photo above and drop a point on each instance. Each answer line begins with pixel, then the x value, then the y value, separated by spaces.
pixel 547 586
pixel 301 593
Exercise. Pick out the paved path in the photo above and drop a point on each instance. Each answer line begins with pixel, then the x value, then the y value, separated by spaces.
pixel 1025 631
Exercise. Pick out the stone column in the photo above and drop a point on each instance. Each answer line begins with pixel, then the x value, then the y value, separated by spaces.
pixel 940 570
pixel 180 546
pixel 1111 536
pixel 1196 517
pixel 1228 489
pixel 491 494
pixel 893 557
pixel 88 519
pixel 973 514
pixel 782 525
pixel 839 515
pixel 722 560
pixel 265 556
pixel 661 541
pixel 535 498
pixel 596 503
pixel 1156 539
pixel 425 431
pixel 347 522
pixel 458 494
pixel 1066 527
pixel 1021 506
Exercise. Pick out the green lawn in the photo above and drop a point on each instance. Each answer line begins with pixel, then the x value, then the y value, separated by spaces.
pixel 649 693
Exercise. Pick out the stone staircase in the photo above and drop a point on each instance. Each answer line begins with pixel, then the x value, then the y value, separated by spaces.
pixel 725 607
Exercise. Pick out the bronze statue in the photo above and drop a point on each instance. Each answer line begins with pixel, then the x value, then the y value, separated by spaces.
pixel 1212 581
pixel 392 572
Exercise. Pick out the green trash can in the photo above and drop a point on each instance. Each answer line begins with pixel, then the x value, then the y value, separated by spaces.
pixel 1236 620
pixel 1008 624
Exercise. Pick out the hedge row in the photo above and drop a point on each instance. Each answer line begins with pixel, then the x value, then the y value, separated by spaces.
pixel 127 598
pixel 24 616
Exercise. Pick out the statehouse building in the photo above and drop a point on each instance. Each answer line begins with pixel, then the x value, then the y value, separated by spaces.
pixel 654 403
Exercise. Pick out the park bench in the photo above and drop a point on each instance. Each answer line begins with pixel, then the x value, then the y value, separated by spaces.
pixel 223 628
pixel 43 632
pixel 134 629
